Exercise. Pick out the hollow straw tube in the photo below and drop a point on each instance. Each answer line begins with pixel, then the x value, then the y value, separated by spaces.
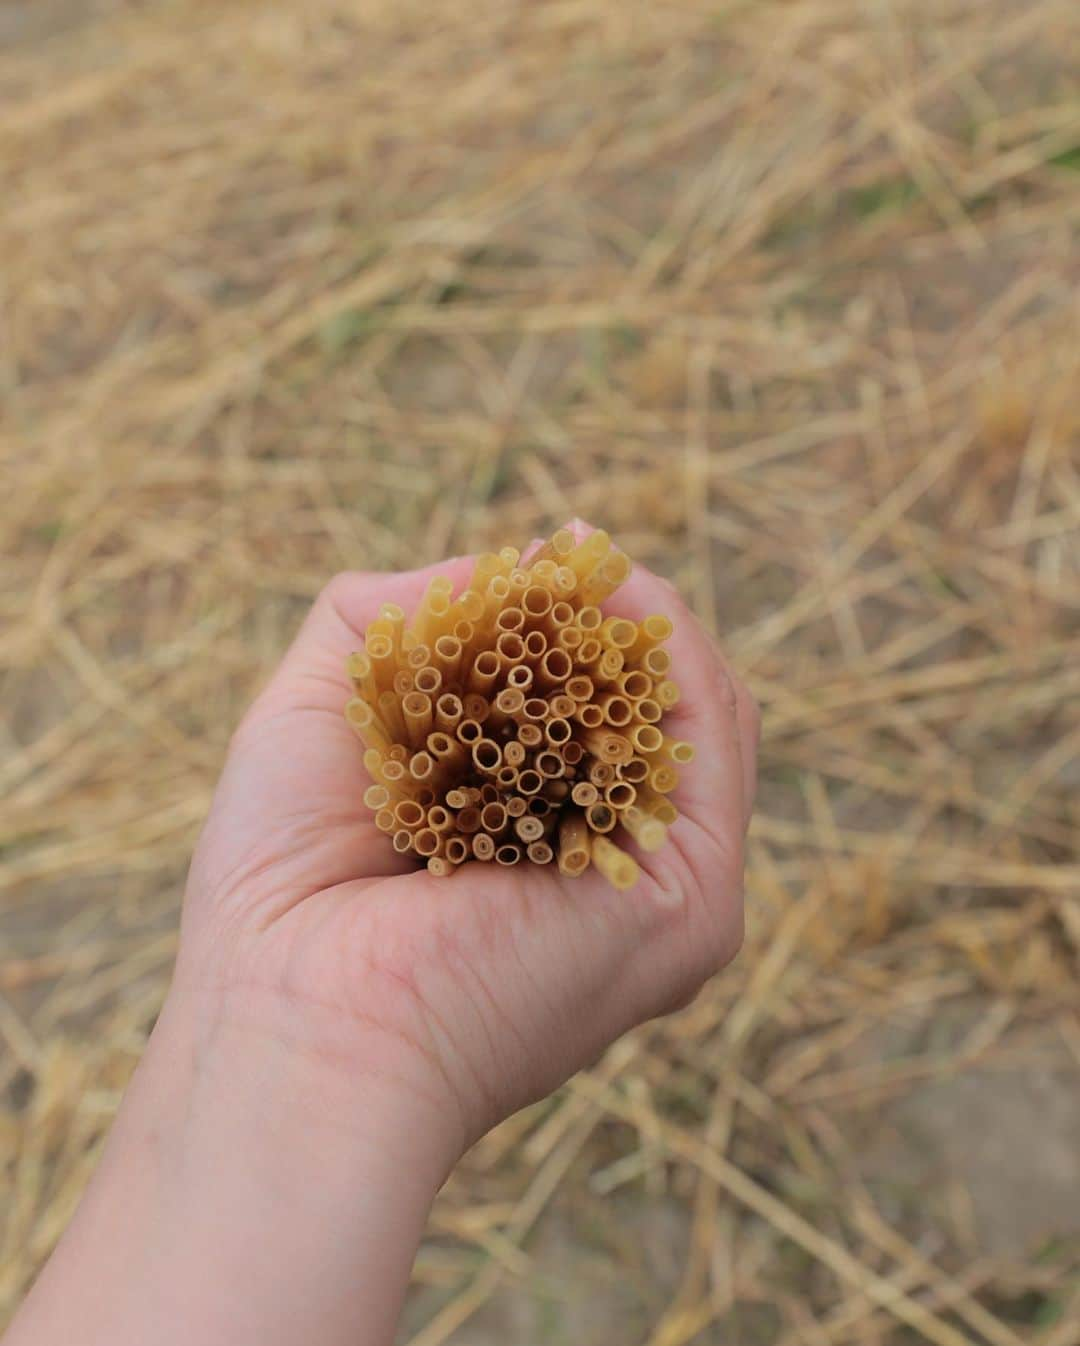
pixel 608 576
pixel 678 750
pixel 657 805
pixel 617 633
pixel 657 663
pixel 619 868
pixel 380 650
pixel 634 771
pixel 367 724
pixel 561 706
pixel 416 709
pixel 428 680
pixel 588 553
pixel 556 548
pixel 477 707
pixel 391 716
pixel 457 850
pixel 667 693
pixel 575 844
pixel 362 675
pixel 487 566
pixel 448 712
pixel 601 816
pixel 564 583
pixel 651 631
pixel 446 657
pixel 646 829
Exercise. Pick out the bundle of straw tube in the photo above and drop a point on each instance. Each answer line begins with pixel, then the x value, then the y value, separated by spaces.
pixel 516 722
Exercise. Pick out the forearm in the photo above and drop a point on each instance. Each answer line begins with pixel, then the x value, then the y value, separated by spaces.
pixel 233 1206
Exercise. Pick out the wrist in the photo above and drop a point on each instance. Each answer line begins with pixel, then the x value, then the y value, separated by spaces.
pixel 295 1101
pixel 243 1198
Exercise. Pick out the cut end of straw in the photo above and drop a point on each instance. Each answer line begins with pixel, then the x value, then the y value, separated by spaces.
pixel 516 722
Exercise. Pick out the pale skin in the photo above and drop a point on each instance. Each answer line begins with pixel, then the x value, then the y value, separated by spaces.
pixel 341 1026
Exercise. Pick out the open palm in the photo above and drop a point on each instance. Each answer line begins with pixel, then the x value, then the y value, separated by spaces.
pixel 483 991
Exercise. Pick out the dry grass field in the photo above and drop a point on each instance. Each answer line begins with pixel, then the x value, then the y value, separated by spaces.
pixel 784 293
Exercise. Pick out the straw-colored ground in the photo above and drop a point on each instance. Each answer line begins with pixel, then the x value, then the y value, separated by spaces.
pixel 783 294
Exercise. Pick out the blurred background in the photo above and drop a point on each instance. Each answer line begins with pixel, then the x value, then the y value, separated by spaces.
pixel 782 293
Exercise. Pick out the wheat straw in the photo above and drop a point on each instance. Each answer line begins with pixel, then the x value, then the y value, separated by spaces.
pixel 574 844
pixel 448 712
pixel 393 722
pixel 617 867
pixel 556 548
pixel 517 721
pixel 583 558
pixel 561 706
pixel 483 847
pixel 421 765
pixel 549 764
pixel 619 795
pixel 457 850
pixel 648 710
pixel 600 816
pixel 646 738
pixel 529 828
pixel 633 684
pixel 469 731
pixel 667 694
pixel 426 841
pixel 657 663
pixel 648 831
pixel 477 707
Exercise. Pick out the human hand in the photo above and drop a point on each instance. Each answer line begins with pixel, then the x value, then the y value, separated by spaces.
pixel 476 994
